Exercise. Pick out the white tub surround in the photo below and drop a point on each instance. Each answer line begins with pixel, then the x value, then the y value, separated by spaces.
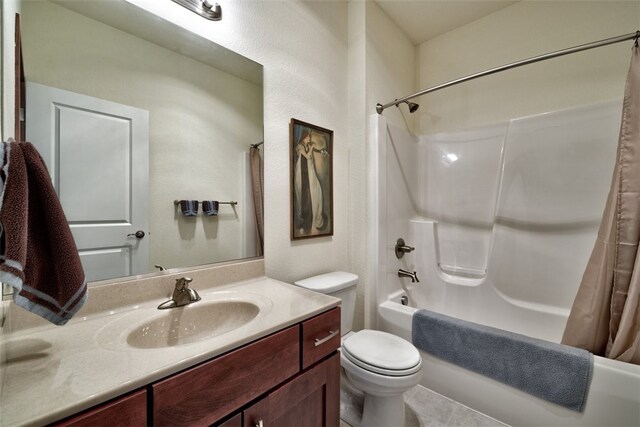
pixel 53 372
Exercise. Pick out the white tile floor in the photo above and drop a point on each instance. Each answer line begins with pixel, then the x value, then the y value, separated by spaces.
pixel 423 408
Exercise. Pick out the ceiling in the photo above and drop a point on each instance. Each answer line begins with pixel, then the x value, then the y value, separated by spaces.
pixel 422 20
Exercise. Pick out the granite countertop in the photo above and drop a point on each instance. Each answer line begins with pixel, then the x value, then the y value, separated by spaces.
pixel 52 372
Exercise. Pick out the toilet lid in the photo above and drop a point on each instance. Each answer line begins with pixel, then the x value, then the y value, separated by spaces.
pixel 382 353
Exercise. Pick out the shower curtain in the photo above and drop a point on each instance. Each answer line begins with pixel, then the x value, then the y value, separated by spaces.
pixel 605 317
pixel 257 186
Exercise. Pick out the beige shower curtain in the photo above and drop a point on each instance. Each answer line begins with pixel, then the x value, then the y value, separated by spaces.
pixel 605 317
pixel 257 187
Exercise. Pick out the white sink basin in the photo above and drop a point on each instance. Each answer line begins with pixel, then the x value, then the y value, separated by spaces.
pixel 213 318
pixel 196 322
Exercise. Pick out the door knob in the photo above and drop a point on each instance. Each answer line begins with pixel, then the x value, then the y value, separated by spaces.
pixel 139 234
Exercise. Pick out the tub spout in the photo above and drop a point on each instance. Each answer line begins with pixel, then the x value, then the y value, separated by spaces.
pixel 405 273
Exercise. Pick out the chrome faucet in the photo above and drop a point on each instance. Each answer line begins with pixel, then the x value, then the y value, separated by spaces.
pixel 182 295
pixel 405 273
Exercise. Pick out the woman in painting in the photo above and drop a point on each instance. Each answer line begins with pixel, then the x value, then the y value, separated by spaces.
pixel 310 149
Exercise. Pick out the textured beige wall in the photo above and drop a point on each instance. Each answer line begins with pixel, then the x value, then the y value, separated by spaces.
pixel 391 66
pixel 526 29
pixel 390 73
pixel 304 49
pixel 201 121
pixel 358 215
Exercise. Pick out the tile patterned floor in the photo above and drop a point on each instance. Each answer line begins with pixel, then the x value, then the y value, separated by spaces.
pixel 423 408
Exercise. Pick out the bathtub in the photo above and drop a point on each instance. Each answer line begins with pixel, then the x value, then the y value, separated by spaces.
pixel 613 400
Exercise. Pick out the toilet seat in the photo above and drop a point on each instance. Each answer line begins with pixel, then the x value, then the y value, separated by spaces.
pixel 382 353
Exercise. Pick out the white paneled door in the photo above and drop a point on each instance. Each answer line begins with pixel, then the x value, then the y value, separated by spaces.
pixel 97 152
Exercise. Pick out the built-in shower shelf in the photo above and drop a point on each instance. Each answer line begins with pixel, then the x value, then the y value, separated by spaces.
pixel 468 272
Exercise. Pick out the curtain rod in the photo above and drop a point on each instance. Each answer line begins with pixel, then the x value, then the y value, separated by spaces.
pixel 631 36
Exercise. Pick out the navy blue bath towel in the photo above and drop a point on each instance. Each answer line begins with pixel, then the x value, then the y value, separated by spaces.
pixel 550 371
pixel 210 207
pixel 188 207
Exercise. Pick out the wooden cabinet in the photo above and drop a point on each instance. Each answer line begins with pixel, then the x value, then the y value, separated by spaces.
pixel 311 399
pixel 206 393
pixel 235 421
pixel 129 410
pixel 289 378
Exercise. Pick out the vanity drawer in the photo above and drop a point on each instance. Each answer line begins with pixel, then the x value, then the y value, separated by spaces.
pixel 129 410
pixel 320 336
pixel 208 392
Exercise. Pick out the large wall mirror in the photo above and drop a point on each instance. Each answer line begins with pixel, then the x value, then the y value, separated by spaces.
pixel 132 113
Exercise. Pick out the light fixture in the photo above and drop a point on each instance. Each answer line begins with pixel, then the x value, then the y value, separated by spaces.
pixel 205 8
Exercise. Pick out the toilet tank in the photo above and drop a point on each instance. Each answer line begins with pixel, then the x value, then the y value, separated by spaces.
pixel 339 284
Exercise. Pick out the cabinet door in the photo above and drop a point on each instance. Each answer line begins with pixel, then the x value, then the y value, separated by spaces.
pixel 312 399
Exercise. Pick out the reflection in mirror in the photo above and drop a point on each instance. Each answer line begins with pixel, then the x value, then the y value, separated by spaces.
pixel 131 112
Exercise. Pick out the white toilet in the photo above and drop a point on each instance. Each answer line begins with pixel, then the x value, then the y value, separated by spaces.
pixel 381 365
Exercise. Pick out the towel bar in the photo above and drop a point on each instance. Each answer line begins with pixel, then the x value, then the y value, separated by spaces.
pixel 177 202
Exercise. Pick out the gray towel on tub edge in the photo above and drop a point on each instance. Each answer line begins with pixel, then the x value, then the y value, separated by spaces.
pixel 553 372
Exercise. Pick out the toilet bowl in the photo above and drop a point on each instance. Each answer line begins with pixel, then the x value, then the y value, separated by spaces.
pixel 380 365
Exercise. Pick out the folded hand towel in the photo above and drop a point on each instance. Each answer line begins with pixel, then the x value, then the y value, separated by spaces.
pixel 189 207
pixel 38 256
pixel 210 207
pixel 550 371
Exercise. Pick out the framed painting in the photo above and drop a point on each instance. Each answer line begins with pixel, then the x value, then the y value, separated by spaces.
pixel 311 166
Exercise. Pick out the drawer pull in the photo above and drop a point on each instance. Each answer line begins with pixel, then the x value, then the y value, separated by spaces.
pixel 260 424
pixel 332 334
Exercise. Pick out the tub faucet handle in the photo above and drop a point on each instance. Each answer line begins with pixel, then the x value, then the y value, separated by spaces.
pixel 412 275
pixel 402 249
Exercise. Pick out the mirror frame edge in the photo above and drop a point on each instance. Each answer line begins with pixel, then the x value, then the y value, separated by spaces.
pixel 19 84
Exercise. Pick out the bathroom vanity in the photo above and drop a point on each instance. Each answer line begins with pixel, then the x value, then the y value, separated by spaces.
pixel 283 379
pixel 279 367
